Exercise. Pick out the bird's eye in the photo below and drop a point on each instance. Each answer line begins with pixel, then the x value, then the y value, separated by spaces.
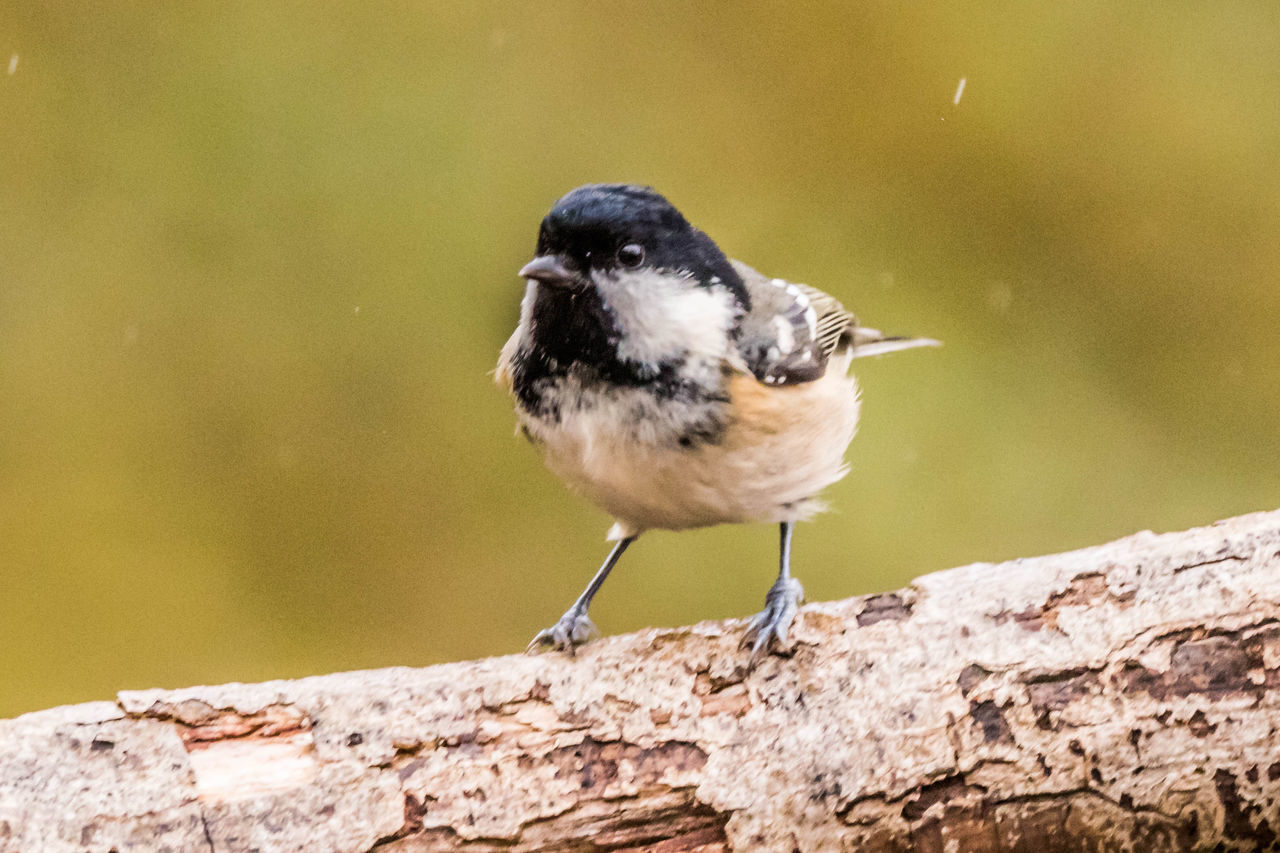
pixel 631 255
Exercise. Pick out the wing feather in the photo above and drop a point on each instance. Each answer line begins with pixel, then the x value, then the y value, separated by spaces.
pixel 792 330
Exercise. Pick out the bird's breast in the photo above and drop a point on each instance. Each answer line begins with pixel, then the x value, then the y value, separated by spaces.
pixel 757 454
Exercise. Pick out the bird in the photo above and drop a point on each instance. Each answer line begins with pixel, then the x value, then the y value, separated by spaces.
pixel 676 388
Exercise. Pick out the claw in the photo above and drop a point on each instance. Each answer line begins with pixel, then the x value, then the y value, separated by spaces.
pixel 772 624
pixel 573 629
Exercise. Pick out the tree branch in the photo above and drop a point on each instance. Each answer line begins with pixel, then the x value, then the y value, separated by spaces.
pixel 1120 697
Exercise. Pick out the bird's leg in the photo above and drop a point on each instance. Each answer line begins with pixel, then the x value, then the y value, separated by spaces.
pixel 780 604
pixel 574 628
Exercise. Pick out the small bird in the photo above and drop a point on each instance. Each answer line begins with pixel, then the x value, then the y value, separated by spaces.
pixel 676 388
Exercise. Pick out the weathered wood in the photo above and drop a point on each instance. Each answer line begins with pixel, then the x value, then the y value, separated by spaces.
pixel 1124 697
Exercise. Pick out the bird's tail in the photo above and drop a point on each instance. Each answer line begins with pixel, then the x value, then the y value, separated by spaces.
pixel 872 342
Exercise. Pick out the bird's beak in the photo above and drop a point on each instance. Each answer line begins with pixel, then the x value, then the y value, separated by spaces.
pixel 548 269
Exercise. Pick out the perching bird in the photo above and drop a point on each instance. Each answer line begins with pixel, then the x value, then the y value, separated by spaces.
pixel 676 388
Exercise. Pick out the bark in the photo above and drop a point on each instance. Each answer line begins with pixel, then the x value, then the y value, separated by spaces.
pixel 1124 697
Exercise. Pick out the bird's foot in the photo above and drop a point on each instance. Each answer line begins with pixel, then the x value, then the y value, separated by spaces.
pixel 573 629
pixel 771 624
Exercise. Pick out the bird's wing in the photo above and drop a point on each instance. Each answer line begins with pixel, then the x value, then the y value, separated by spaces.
pixel 792 330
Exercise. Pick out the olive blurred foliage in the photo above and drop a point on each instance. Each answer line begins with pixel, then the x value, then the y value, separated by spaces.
pixel 257 261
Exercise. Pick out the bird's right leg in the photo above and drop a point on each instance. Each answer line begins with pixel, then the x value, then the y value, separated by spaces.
pixel 574 628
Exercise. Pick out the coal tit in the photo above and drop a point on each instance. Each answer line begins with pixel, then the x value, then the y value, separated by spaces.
pixel 676 388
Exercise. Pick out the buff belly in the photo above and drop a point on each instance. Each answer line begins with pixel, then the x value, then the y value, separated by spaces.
pixel 781 447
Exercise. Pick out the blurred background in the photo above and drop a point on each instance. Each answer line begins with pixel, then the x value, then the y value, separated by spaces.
pixel 257 261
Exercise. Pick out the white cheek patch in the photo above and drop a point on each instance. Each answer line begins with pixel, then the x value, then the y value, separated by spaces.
pixel 663 316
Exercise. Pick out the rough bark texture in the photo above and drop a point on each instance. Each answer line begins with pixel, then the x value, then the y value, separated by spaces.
pixel 1124 697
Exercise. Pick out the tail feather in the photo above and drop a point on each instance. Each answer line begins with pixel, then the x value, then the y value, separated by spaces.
pixel 872 342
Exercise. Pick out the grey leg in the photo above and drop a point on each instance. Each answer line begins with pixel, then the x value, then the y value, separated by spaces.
pixel 574 628
pixel 780 603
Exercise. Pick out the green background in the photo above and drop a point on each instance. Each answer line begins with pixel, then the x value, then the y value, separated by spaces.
pixel 257 260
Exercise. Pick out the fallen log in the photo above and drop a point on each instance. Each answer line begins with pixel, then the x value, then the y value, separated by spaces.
pixel 1122 697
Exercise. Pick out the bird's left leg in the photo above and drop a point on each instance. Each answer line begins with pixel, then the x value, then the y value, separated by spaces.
pixel 780 603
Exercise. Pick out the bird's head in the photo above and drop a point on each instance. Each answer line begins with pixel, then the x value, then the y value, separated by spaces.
pixel 604 233
pixel 621 273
